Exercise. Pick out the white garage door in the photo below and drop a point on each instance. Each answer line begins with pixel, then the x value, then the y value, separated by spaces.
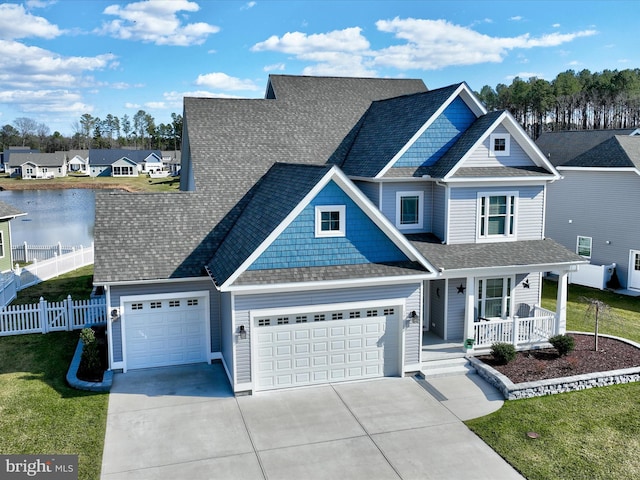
pixel 165 332
pixel 323 347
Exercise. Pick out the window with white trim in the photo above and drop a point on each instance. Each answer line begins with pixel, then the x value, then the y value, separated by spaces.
pixel 497 215
pixel 494 297
pixel 583 247
pixel 409 208
pixel 499 144
pixel 330 221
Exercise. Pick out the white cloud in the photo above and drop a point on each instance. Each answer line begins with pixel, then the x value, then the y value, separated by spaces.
pixel 26 67
pixel 156 21
pixel 516 18
pixel 526 75
pixel 434 44
pixel 275 66
pixel 222 81
pixel 51 101
pixel 135 106
pixel 248 5
pixel 556 25
pixel 16 22
pixel 426 45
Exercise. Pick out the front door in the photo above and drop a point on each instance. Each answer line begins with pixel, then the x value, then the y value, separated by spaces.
pixel 634 270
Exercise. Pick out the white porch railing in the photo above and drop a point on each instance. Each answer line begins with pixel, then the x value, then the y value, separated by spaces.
pixel 517 331
pixel 46 316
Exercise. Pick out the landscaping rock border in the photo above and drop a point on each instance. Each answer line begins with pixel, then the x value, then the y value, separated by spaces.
pixel 551 386
pixel 75 382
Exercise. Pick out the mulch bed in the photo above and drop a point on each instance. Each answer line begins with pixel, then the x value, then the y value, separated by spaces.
pixel 87 374
pixel 541 364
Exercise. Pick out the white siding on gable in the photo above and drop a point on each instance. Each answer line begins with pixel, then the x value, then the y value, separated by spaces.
pixel 463 215
pixel 389 202
pixel 481 157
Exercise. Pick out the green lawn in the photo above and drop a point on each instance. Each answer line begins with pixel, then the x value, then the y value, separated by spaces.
pixel 141 183
pixel 592 434
pixel 39 413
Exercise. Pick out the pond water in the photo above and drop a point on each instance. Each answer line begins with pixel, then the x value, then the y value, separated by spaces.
pixel 65 216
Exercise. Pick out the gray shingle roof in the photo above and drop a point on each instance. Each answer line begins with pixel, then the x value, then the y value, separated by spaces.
pixel 233 143
pixel 618 151
pixel 527 253
pixel 40 159
pixel 272 200
pixel 386 127
pixel 106 156
pixel 9 211
pixel 561 147
pixel 341 272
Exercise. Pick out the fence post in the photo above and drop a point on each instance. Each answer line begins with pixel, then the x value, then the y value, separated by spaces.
pixel 59 248
pixel 516 332
pixel 43 317
pixel 69 310
pixel 26 258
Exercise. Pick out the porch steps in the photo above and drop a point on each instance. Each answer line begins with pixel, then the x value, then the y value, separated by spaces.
pixel 447 367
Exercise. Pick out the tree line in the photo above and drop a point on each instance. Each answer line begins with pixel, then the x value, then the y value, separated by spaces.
pixel 139 132
pixel 572 101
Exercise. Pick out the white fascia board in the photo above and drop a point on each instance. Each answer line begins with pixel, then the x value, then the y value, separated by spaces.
pixel 279 229
pixel 9 217
pixel 324 285
pixel 467 96
pixel 380 220
pixel 500 181
pixel 601 169
pixel 390 179
pixel 509 270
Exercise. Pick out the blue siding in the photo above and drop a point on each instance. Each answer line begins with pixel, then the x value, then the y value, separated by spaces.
pixel 297 246
pixel 440 135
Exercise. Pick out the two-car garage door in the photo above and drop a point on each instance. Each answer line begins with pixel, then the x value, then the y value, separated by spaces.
pixel 165 331
pixel 326 346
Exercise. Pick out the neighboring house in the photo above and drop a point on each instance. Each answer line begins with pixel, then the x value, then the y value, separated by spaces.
pixel 6 155
pixel 118 162
pixel 319 241
pixel 38 165
pixel 7 213
pixel 171 161
pixel 77 162
pixel 590 209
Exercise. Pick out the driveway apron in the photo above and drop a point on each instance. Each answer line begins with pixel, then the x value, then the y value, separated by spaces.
pixel 184 422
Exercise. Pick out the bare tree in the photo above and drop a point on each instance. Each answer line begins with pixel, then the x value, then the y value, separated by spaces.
pixel 598 309
pixel 26 126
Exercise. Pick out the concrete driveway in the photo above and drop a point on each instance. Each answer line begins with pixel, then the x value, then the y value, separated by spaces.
pixel 184 423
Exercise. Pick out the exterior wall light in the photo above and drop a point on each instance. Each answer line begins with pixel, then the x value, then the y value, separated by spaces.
pixel 413 316
pixel 242 333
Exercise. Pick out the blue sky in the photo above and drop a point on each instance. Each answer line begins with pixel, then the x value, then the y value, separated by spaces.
pixel 61 59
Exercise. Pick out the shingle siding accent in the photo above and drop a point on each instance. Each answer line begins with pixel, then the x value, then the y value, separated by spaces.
pixel 439 136
pixel 297 245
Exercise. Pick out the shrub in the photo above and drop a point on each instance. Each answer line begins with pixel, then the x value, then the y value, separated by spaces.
pixel 90 360
pixel 503 353
pixel 564 344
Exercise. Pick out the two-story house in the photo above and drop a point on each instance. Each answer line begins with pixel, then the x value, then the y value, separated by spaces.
pixel 590 209
pixel 323 229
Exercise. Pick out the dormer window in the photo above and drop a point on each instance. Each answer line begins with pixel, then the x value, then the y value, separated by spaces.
pixel 499 144
pixel 330 221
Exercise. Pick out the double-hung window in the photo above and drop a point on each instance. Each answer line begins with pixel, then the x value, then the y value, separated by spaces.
pixel 583 247
pixel 330 221
pixel 494 297
pixel 497 215
pixel 409 209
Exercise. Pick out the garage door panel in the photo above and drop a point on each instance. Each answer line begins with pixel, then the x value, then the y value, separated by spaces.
pixel 173 332
pixel 337 350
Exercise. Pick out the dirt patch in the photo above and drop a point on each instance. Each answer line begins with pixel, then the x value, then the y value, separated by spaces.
pixel 532 365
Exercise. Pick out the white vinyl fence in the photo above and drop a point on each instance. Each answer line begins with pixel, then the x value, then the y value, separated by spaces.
pixel 43 317
pixel 29 253
pixel 40 271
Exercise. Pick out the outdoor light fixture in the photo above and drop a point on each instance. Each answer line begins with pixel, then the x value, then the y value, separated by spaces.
pixel 242 333
pixel 114 313
pixel 413 316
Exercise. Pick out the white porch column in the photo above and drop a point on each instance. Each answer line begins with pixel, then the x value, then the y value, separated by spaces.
pixel 561 303
pixel 470 308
